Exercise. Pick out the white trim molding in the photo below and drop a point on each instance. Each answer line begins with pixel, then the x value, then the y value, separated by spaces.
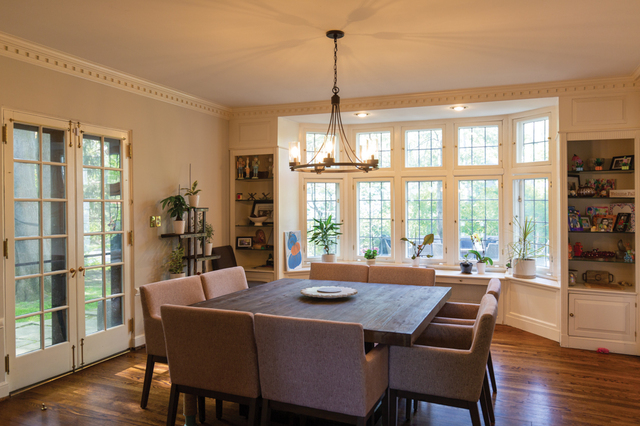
pixel 16 48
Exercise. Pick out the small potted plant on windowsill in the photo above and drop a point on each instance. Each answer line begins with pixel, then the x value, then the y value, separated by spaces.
pixel 177 207
pixel 523 252
pixel 325 234
pixel 175 264
pixel 417 249
pixel 194 198
pixel 370 255
pixel 466 265
pixel 482 260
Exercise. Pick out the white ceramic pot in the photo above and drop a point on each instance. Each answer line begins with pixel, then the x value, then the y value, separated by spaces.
pixel 480 266
pixel 194 200
pixel 208 249
pixel 178 226
pixel 524 268
pixel 415 262
pixel 329 258
pixel 174 276
pixel 371 262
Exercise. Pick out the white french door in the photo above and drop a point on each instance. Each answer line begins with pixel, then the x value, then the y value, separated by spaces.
pixel 67 300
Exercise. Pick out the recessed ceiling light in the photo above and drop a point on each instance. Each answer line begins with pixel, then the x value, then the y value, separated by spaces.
pixel 458 108
pixel 361 114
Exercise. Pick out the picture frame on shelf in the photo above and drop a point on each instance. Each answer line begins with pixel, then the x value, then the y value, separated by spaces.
pixel 622 222
pixel 263 208
pixel 573 183
pixel 617 162
pixel 574 222
pixel 244 242
pixel 585 222
pixel 605 223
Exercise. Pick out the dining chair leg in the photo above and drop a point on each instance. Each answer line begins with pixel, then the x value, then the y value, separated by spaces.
pixel 393 407
pixel 415 405
pixel 487 395
pixel 146 385
pixel 407 409
pixel 173 405
pixel 266 413
pixel 483 407
pixel 253 412
pixel 385 409
pixel 361 421
pixel 218 409
pixel 475 415
pixel 491 373
pixel 201 409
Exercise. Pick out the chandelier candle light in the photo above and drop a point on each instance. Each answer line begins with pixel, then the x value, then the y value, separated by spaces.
pixel 324 159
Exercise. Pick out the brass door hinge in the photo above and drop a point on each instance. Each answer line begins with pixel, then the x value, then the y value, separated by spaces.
pixel 129 151
pixel 4 133
pixel 130 237
pixel 5 248
pixel 131 324
pixel 6 364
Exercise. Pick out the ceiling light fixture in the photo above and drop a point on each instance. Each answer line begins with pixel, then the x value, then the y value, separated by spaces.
pixel 361 114
pixel 458 108
pixel 324 159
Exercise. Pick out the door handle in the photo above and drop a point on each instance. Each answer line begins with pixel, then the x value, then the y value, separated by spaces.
pixel 83 270
pixel 73 272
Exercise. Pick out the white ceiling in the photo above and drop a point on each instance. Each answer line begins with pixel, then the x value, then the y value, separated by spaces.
pixel 262 52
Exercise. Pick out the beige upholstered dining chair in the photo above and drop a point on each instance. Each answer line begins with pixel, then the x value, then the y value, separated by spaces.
pixel 223 281
pixel 465 314
pixel 402 275
pixel 319 368
pixel 181 291
pixel 454 375
pixel 212 353
pixel 339 272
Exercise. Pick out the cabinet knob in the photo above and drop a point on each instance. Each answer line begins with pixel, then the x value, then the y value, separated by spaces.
pixel 571 314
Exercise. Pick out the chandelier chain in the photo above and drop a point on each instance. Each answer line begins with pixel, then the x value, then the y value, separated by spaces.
pixel 335 65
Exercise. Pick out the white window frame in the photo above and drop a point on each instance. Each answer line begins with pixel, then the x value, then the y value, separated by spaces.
pixel 302 136
pixel 355 235
pixel 340 252
pixel 354 141
pixel 517 124
pixel 499 124
pixel 406 129
pixel 404 181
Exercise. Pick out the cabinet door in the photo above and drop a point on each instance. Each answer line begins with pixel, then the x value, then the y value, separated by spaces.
pixel 602 317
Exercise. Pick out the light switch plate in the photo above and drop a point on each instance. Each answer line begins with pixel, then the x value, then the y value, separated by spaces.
pixel 158 221
pixel 152 222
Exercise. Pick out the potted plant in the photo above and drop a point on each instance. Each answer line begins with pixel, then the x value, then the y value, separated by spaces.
pixel 177 207
pixel 208 245
pixel 482 260
pixel 370 255
pixel 465 265
pixel 194 198
pixel 523 252
pixel 417 249
pixel 176 267
pixel 325 234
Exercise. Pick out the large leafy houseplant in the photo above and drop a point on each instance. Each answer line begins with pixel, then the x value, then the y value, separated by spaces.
pixel 177 206
pixel 524 250
pixel 325 234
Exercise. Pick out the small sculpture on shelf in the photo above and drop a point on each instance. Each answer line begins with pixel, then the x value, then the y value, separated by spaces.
pixel 625 163
pixel 270 175
pixel 252 196
pixel 628 257
pixel 598 163
pixel 576 163
pixel 247 169
pixel 256 166
pixel 265 196
pixel 240 166
pixel 577 249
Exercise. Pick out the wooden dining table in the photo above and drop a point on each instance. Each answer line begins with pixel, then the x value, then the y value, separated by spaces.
pixel 389 313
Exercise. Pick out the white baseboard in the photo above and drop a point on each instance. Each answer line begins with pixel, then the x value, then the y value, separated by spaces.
pixel 4 390
pixel 139 341
pixel 533 326
pixel 615 346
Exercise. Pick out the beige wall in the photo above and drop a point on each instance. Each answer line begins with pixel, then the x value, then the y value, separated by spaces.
pixel 166 139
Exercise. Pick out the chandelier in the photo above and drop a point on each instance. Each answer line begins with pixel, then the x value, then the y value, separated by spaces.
pixel 324 159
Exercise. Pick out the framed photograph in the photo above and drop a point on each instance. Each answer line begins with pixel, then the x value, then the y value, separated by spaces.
pixel 263 208
pixel 605 223
pixel 244 242
pixel 574 222
pixel 622 222
pixel 585 222
pixel 618 162
pixel 573 183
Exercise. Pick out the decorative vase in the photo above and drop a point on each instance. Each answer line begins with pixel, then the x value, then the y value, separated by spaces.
pixel 208 249
pixel 194 200
pixel 174 276
pixel 415 262
pixel 586 191
pixel 524 268
pixel 178 227
pixel 466 268
pixel 371 262
pixel 329 258
pixel 481 266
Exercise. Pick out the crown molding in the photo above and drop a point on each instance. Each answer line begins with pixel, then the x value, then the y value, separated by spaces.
pixel 484 94
pixel 16 48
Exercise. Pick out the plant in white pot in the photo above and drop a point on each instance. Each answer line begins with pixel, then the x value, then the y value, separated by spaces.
pixel 177 207
pixel 208 239
pixel 524 251
pixel 175 264
pixel 194 198
pixel 371 255
pixel 417 249
pixel 482 260
pixel 325 234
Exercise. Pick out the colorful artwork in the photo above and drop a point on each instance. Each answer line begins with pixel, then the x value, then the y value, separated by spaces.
pixel 616 208
pixel 293 251
pixel 602 186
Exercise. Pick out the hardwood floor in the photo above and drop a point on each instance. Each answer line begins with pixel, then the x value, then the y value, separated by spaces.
pixel 539 383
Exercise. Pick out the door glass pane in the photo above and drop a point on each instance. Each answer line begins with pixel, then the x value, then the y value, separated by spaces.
pixel 27 257
pixel 27 219
pixel 112 189
pixel 113 219
pixel 93 284
pixel 113 275
pixel 26 180
pixel 92 179
pixel 55 327
pixel 54 254
pixel 55 291
pixel 53 181
pixel 26 145
pixel 114 312
pixel 54 218
pixel 92 217
pixel 113 253
pixel 53 145
pixel 28 335
pixel 27 296
pixel 92 250
pixel 91 151
pixel 94 317
pixel 112 153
